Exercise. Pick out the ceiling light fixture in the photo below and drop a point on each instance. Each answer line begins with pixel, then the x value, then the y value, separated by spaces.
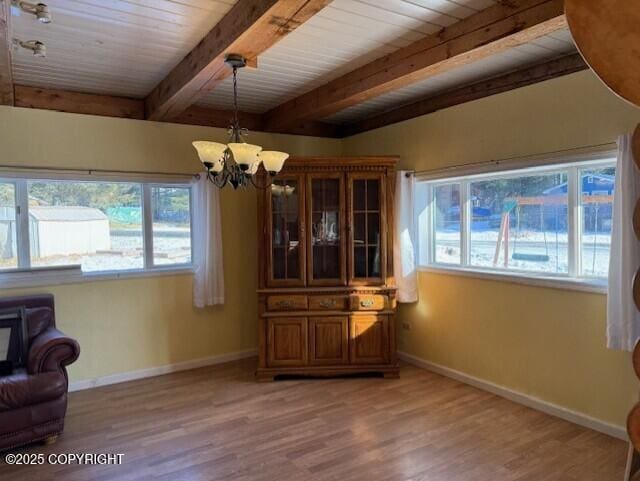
pixel 38 48
pixel 40 10
pixel 237 163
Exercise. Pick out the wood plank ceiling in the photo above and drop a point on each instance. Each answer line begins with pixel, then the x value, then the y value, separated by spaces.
pixel 110 46
pixel 135 47
pixel 347 34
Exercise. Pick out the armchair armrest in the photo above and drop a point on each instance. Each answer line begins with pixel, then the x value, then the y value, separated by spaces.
pixel 50 351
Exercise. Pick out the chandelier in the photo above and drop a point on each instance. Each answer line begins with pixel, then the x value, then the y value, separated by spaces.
pixel 237 163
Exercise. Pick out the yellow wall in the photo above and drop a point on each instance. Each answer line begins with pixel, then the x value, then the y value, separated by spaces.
pixel 543 342
pixel 126 325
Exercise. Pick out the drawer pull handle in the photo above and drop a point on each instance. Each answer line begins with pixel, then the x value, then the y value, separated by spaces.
pixel 284 304
pixel 327 303
pixel 367 303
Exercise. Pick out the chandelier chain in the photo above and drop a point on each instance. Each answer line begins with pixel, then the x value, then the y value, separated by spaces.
pixel 236 120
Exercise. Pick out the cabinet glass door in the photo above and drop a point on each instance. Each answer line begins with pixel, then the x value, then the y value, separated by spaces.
pixel 367 242
pixel 286 232
pixel 325 211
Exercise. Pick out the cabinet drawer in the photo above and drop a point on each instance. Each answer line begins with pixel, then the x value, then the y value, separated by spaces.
pixel 368 302
pixel 331 303
pixel 287 303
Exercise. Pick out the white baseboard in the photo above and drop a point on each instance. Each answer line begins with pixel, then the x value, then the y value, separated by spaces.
pixel 520 398
pixel 157 371
pixel 515 396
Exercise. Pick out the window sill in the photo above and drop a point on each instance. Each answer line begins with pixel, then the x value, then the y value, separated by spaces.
pixel 594 286
pixel 52 276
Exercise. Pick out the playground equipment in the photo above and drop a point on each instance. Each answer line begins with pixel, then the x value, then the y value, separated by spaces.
pixel 522 256
pixel 514 205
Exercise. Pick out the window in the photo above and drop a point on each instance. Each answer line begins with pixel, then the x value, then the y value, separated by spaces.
pixel 520 221
pixel 97 225
pixel 171 225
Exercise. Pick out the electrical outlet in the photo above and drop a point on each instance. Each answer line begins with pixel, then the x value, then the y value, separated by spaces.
pixel 406 325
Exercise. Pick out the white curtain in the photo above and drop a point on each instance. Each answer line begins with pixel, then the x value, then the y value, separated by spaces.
pixel 208 277
pixel 404 261
pixel 623 318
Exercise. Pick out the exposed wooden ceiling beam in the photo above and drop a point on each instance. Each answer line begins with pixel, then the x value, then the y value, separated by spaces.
pixel 485 88
pixel 123 107
pixel 6 76
pixel 248 29
pixel 491 31
pixel 78 103
pixel 197 115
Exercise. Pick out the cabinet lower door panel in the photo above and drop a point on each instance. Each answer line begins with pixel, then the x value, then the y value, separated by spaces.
pixel 329 340
pixel 287 341
pixel 369 339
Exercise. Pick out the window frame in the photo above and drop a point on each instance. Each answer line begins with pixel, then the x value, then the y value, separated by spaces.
pixel 25 275
pixel 425 224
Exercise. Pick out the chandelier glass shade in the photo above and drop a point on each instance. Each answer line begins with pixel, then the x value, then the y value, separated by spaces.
pixel 238 163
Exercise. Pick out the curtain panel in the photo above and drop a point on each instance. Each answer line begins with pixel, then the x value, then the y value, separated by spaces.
pixel 623 317
pixel 208 277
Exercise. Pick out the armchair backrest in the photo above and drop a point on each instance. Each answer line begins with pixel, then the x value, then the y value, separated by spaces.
pixel 40 311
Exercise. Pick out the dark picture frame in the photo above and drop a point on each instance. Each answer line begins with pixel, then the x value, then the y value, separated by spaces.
pixel 15 320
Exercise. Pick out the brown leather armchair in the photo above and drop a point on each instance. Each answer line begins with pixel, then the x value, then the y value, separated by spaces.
pixel 33 400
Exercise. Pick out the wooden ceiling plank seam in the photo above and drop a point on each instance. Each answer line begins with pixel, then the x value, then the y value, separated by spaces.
pixel 175 8
pixel 449 10
pixel 67 38
pixel 99 9
pixel 249 28
pixel 102 72
pixel 127 21
pixel 83 21
pixel 66 64
pixel 398 37
pixel 339 22
pixel 488 32
pixel 390 17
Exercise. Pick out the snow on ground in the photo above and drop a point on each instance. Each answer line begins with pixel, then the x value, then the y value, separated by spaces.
pixel 172 245
pixel 595 251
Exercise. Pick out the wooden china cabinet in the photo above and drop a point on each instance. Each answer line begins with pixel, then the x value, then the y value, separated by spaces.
pixel 327 293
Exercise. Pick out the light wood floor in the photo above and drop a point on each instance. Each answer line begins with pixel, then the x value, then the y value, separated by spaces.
pixel 218 424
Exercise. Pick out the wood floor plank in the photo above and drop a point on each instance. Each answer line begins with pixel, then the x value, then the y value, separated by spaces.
pixel 217 423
